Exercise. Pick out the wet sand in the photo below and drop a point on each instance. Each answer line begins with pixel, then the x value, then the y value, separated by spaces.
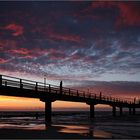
pixel 51 133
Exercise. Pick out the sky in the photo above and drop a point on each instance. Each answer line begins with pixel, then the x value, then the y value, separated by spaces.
pixel 87 44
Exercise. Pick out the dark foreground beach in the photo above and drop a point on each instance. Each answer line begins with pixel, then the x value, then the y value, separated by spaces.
pixel 69 125
pixel 51 133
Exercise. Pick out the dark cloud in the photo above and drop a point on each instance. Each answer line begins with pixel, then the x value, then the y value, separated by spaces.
pixel 70 39
pixel 123 89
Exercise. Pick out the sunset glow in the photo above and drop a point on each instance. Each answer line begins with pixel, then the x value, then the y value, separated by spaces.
pixel 88 45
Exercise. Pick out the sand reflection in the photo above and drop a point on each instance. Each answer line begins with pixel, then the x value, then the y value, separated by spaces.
pixel 84 130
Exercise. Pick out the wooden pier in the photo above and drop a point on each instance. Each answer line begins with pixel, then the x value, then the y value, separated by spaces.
pixel 12 86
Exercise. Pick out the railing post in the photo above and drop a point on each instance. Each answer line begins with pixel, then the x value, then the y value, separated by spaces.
pixel 5 83
pixel 0 80
pixel 69 91
pixel 83 94
pixel 114 100
pixel 36 86
pixel 21 85
pixel 95 96
pixel 49 88
pixel 61 88
pixel 100 95
pixel 90 95
pixel 134 100
pixel 106 98
pixel 77 93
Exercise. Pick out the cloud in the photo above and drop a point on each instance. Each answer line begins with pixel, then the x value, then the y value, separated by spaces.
pixel 65 37
pixel 128 12
pixel 16 29
pixel 2 61
pixel 77 41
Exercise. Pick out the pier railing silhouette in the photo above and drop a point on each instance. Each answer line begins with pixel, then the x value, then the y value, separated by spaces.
pixel 48 93
pixel 53 89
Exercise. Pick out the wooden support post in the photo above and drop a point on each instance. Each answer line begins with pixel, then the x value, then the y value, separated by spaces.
pixel 92 108
pixel 134 100
pixel 21 85
pixel 114 111
pixel 0 80
pixel 77 93
pixel 100 95
pixel 84 94
pixel 95 96
pixel 69 91
pixel 61 88
pixel 36 86
pixel 49 88
pixel 121 110
pixel 134 110
pixel 5 83
pixel 129 110
pixel 48 112
pixel 90 95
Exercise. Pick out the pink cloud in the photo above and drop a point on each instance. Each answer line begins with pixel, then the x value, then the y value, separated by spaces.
pixel 14 48
pixel 2 61
pixel 21 51
pixel 73 38
pixel 15 28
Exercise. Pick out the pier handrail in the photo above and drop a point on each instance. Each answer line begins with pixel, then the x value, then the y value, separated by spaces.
pixel 30 84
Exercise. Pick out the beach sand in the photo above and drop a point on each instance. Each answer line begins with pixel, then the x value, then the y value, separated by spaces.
pixel 72 126
pixel 51 133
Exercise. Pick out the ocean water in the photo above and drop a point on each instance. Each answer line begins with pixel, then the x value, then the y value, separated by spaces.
pixel 102 126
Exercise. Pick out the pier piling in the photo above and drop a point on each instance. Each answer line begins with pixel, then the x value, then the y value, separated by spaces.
pixel 48 112
pixel 114 111
pixel 129 110
pixel 92 111
pixel 134 111
pixel 0 80
pixel 121 111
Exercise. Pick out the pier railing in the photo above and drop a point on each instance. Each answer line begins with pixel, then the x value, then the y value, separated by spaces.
pixel 54 89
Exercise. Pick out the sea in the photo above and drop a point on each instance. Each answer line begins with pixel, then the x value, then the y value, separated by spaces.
pixel 103 126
